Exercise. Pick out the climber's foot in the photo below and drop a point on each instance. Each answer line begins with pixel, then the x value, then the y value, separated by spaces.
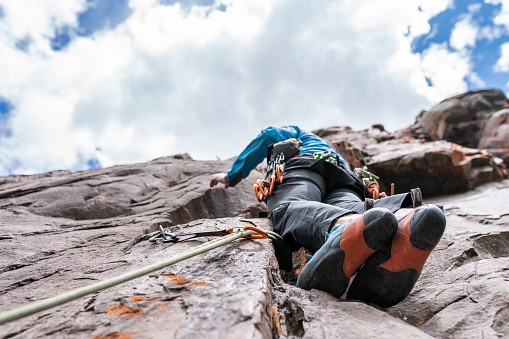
pixel 346 249
pixel 389 275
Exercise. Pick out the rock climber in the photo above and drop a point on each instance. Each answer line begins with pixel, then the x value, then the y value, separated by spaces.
pixel 321 205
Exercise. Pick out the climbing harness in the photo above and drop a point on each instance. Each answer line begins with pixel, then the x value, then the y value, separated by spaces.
pixel 277 155
pixel 42 305
pixel 370 180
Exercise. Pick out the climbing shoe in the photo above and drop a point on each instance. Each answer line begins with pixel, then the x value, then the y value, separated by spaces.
pixel 389 275
pixel 346 249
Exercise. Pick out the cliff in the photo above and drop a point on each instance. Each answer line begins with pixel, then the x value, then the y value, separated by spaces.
pixel 63 230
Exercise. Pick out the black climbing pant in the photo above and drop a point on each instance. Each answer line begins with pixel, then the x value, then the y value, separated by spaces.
pixel 304 207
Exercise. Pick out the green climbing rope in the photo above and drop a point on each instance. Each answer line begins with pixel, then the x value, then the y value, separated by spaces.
pixel 45 304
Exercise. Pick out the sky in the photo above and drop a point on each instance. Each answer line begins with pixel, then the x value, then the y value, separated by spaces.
pixel 96 83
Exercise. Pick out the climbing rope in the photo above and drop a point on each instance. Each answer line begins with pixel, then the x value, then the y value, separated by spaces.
pixel 42 305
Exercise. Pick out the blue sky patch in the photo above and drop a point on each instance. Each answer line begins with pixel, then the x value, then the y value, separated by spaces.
pixel 102 14
pixel 86 164
pixel 108 14
pixel 23 44
pixel 443 23
pixel 441 28
pixel 93 164
pixel 99 15
pixel 5 110
pixel 187 5
pixel 486 51
pixel 429 82
pixel 62 38
pixel 5 107
pixel 484 57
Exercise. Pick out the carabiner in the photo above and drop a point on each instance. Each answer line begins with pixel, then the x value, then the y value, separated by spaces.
pixel 259 197
pixel 279 174
pixel 271 184
pixel 261 188
pixel 261 234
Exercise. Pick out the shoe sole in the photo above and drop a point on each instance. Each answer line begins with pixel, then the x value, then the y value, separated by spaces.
pixel 390 274
pixel 336 261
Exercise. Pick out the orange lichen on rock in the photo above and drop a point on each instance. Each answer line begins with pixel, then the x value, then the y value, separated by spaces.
pixel 138 298
pixel 125 311
pixel 274 319
pixel 113 335
pixel 179 280
pixel 299 260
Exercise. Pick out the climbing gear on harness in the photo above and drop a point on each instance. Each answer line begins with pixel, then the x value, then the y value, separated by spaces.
pixel 328 155
pixel 45 304
pixel 168 237
pixel 277 155
pixel 263 188
pixel 289 148
pixel 370 180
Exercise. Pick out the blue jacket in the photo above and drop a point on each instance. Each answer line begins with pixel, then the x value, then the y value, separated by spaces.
pixel 256 151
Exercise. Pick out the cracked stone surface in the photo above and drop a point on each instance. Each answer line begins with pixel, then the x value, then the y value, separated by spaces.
pixel 463 291
pixel 56 236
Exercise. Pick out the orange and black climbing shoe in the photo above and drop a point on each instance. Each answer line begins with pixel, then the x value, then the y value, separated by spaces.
pixel 346 249
pixel 389 275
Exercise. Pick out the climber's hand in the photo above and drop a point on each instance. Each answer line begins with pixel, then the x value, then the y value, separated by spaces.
pixel 218 178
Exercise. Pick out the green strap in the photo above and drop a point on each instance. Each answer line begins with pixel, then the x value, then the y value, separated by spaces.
pixel 45 304
pixel 278 240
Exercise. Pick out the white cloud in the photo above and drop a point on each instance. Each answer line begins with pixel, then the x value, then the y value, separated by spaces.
pixel 476 80
pixel 37 20
pixel 473 8
pixel 169 81
pixel 490 33
pixel 502 64
pixel 502 18
pixel 447 70
pixel 464 34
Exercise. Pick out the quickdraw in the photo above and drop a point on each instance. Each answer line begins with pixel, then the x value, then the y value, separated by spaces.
pixel 168 237
pixel 275 170
pixel 370 180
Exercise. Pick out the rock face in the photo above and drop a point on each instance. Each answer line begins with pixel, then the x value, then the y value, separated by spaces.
pixel 233 291
pixel 175 188
pixel 62 230
pixel 477 119
pixel 437 167
pixel 464 291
